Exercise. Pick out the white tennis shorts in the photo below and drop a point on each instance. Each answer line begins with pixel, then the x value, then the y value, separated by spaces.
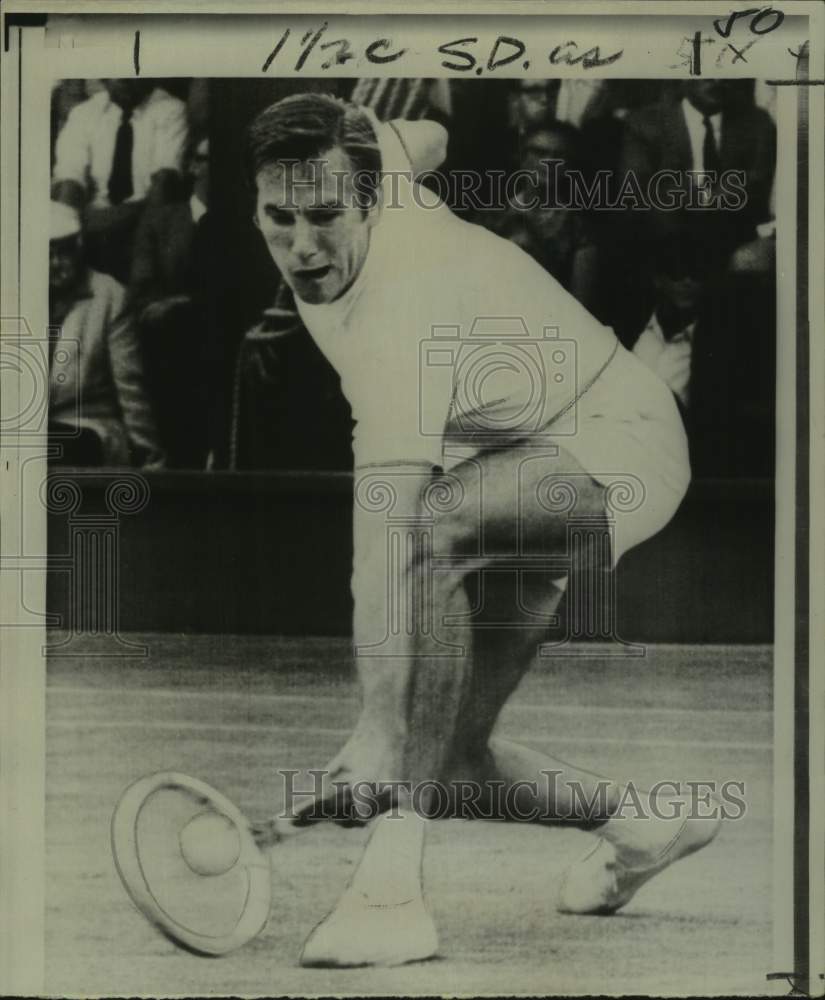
pixel 629 436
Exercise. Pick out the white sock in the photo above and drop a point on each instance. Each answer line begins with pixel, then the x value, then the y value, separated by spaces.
pixel 389 872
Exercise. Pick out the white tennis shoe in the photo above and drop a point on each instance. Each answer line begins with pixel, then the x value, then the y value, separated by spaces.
pixel 358 932
pixel 628 854
pixel 381 918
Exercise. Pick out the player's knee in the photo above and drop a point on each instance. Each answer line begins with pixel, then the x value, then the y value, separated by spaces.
pixel 437 567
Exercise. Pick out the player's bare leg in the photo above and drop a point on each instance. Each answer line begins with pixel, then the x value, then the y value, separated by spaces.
pixel 632 847
pixel 640 834
pixel 413 689
pixel 424 706
pixel 427 717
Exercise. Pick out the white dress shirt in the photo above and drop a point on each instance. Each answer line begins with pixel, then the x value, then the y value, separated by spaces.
pixel 696 130
pixel 669 359
pixel 86 143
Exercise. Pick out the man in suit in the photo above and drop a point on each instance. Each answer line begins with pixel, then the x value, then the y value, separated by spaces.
pixel 710 127
pixel 98 409
pixel 681 150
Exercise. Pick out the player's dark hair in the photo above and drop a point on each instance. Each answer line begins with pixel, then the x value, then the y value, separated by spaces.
pixel 306 127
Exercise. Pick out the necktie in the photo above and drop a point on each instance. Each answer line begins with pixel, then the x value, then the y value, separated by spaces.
pixel 710 152
pixel 198 273
pixel 120 179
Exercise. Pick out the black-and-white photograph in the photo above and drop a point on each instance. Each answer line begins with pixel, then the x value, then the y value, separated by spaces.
pixel 417 465
pixel 199 358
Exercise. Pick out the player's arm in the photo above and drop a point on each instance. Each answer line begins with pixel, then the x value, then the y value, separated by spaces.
pixel 424 142
pixel 410 145
pixel 384 493
pixel 385 490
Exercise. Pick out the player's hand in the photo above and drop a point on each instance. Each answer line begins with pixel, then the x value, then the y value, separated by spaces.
pixel 267 832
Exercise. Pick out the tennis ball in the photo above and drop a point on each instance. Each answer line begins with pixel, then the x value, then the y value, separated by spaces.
pixel 210 843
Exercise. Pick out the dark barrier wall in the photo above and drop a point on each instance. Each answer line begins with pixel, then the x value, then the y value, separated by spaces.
pixel 264 553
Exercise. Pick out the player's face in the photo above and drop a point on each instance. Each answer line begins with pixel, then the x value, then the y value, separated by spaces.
pixel 316 232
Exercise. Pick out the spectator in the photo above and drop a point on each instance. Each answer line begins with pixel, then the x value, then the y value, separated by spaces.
pixel 709 127
pixel 553 231
pixel 711 337
pixel 66 95
pixel 531 105
pixel 164 271
pixel 701 126
pixel 97 401
pixel 118 147
pixel 580 101
pixel 602 121
pixel 680 280
pixel 171 278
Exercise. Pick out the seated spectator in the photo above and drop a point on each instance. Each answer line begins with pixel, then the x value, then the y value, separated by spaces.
pixel 597 108
pixel 170 281
pixel 164 272
pixel 680 280
pixel 116 148
pixel 557 236
pixel 97 405
pixel 711 337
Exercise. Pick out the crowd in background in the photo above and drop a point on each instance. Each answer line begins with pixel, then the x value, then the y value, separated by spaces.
pixel 168 349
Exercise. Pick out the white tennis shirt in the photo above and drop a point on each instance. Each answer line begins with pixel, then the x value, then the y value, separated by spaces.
pixel 450 333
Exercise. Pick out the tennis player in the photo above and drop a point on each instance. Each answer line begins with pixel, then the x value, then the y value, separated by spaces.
pixel 495 420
